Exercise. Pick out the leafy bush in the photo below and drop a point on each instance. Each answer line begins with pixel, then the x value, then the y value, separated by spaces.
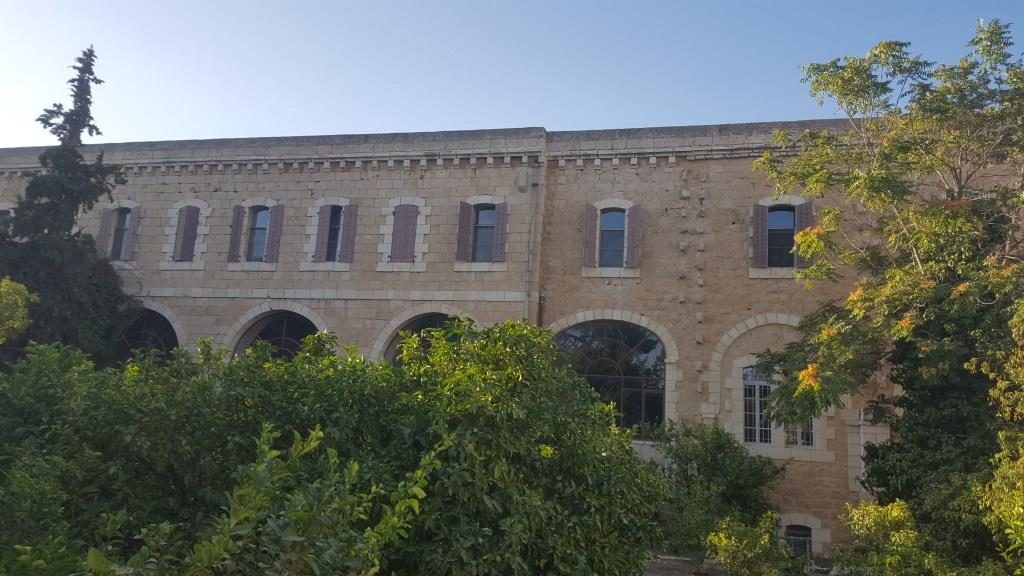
pixel 521 466
pixel 752 549
pixel 711 477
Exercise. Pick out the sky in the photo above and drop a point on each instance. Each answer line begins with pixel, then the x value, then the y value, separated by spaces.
pixel 188 69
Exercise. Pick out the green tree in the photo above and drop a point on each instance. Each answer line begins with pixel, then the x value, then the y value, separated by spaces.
pixel 14 303
pixel 752 549
pixel 711 477
pixel 923 203
pixel 80 300
pixel 521 467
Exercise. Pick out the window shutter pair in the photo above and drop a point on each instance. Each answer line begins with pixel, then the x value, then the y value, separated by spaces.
pixel 274 231
pixel 185 236
pixel 634 236
pixel 403 235
pixel 803 218
pixel 103 237
pixel 346 251
pixel 464 241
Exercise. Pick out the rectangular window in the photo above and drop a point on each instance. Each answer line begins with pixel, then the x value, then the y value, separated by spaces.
pixel 799 539
pixel 484 219
pixel 612 242
pixel 802 436
pixel 122 219
pixel 334 234
pixel 781 228
pixel 756 390
pixel 259 221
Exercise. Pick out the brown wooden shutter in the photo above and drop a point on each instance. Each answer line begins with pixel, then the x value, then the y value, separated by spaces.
pixel 235 245
pixel 464 240
pixel 349 219
pixel 106 228
pixel 323 232
pixel 403 237
pixel 590 217
pixel 634 236
pixel 759 243
pixel 131 235
pixel 185 237
pixel 804 218
pixel 274 234
pixel 500 231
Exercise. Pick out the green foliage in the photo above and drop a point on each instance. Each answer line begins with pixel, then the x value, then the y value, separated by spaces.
pixel 1003 499
pixel 14 303
pixel 752 549
pixel 711 477
pixel 467 455
pixel 921 198
pixel 80 300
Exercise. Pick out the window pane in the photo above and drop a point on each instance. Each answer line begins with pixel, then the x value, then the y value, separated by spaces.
pixel 260 217
pixel 485 215
pixel 334 234
pixel 781 218
pixel 780 248
pixel 483 243
pixel 613 220
pixel 120 231
pixel 257 245
pixel 612 248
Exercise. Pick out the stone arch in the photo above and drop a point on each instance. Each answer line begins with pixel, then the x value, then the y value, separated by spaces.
pixel 712 378
pixel 672 370
pixel 166 312
pixel 231 338
pixel 385 336
pixel 155 328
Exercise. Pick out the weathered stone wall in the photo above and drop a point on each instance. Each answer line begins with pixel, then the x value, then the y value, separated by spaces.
pixel 694 286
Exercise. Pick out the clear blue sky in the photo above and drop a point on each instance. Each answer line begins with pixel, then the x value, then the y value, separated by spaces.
pixel 211 69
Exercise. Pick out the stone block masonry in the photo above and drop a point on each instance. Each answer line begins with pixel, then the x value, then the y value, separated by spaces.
pixel 685 271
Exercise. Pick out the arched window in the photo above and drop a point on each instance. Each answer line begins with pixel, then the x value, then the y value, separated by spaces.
pixel 612 241
pixel 781 228
pixel 282 330
pixel 798 538
pixel 624 362
pixel 259 222
pixel 414 326
pixel 150 331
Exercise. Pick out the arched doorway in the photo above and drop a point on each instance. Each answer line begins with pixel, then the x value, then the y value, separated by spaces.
pixel 415 326
pixel 283 330
pixel 150 331
pixel 624 362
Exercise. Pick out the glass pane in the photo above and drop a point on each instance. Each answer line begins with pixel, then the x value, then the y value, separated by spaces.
pixel 613 220
pixel 781 218
pixel 612 250
pixel 334 235
pixel 260 217
pixel 483 243
pixel 485 215
pixel 257 245
pixel 631 408
pixel 780 247
pixel 654 407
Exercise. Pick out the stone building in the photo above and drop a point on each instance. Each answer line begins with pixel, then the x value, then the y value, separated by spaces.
pixel 657 255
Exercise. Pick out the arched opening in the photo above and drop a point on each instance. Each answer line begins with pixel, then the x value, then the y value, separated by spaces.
pixel 283 330
pixel 415 326
pixel 150 331
pixel 624 362
pixel 798 539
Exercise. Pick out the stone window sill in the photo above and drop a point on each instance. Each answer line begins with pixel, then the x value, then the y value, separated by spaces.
pixel 610 272
pixel 124 265
pixel 401 267
pixel 325 266
pixel 252 266
pixel 193 265
pixel 481 266
pixel 798 453
pixel 771 273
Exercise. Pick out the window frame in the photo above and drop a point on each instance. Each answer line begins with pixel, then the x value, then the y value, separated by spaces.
pixel 781 256
pixel 252 229
pixel 334 226
pixel 474 244
pixel 761 387
pixel 119 231
pixel 603 233
pixel 799 544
